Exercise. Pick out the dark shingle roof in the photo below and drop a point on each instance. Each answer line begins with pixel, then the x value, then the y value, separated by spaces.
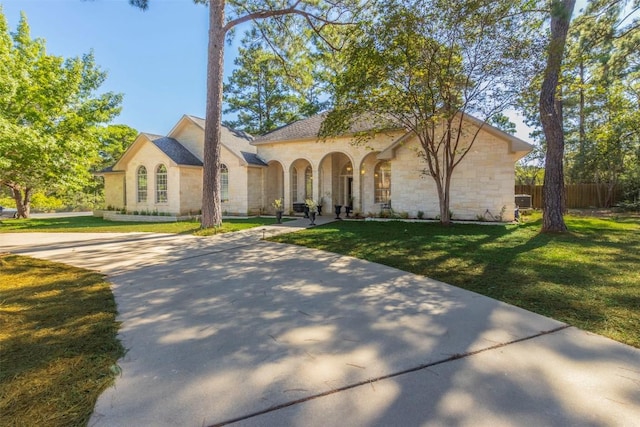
pixel 174 150
pixel 253 159
pixel 301 129
pixel 310 128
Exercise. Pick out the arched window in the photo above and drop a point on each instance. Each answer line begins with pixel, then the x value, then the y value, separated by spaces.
pixel 382 182
pixel 161 184
pixel 224 183
pixel 308 183
pixel 294 184
pixel 141 184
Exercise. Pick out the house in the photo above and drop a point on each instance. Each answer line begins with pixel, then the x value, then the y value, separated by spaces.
pixel 164 173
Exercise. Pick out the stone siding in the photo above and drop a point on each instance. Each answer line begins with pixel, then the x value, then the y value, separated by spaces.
pixel 190 190
pixel 255 190
pixel 114 190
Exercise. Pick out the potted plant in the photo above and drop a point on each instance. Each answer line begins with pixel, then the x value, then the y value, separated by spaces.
pixel 349 207
pixel 338 208
pixel 319 205
pixel 313 209
pixel 277 204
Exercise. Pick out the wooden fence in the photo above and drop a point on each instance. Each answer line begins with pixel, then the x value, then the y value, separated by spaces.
pixel 578 196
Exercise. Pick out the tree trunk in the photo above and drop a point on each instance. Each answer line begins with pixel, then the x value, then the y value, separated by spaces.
pixel 443 199
pixel 23 204
pixel 551 118
pixel 211 209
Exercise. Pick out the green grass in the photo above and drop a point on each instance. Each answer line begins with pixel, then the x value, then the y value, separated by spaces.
pixel 58 345
pixel 589 278
pixel 89 224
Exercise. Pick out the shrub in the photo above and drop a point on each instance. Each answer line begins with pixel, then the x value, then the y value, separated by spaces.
pixel 629 205
pixel 420 214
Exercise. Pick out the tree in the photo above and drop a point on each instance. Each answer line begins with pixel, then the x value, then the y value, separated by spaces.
pixel 598 86
pixel 553 204
pixel 48 108
pixel 260 91
pixel 503 123
pixel 225 15
pixel 113 141
pixel 425 67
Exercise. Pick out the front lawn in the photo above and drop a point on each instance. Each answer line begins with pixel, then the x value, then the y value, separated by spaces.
pixel 58 345
pixel 589 278
pixel 89 224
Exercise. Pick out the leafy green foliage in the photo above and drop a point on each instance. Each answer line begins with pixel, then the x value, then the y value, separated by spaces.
pixel 600 87
pixel 265 91
pixel 48 111
pixel 601 94
pixel 113 141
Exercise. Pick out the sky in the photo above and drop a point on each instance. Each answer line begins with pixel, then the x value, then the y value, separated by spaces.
pixel 157 58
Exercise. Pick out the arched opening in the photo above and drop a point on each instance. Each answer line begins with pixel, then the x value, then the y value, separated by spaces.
pixel 336 180
pixel 301 184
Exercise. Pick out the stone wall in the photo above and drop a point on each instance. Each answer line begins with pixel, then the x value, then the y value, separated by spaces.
pixel 114 190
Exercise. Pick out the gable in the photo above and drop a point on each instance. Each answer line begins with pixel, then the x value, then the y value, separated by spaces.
pixel 169 148
pixel 190 132
pixel 513 144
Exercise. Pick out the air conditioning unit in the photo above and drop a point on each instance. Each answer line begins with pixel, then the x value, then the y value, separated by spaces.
pixel 523 201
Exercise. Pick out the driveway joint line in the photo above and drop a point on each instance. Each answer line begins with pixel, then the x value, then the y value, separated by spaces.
pixel 370 381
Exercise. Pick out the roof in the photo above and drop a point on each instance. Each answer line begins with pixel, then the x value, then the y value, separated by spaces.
pixel 174 150
pixel 301 129
pixel 253 159
pixel 226 132
pixel 310 128
pixel 238 142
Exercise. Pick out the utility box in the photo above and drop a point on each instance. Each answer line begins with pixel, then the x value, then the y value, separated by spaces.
pixel 523 201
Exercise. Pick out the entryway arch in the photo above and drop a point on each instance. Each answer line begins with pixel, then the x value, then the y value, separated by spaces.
pixel 336 185
pixel 301 183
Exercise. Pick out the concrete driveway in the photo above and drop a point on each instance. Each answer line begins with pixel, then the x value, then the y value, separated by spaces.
pixel 234 329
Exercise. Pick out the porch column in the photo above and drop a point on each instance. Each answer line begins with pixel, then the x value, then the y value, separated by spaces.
pixel 316 184
pixel 356 189
pixel 287 202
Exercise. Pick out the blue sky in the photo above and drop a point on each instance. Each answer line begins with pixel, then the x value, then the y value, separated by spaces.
pixel 156 58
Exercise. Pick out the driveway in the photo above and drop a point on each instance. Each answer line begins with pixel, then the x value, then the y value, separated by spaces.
pixel 236 330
